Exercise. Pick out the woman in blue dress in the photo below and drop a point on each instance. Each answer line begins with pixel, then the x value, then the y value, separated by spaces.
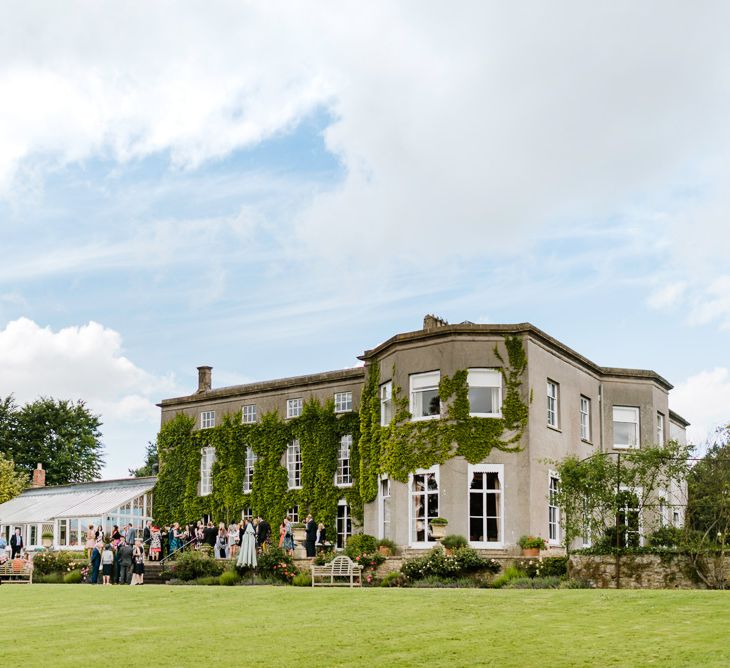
pixel 288 537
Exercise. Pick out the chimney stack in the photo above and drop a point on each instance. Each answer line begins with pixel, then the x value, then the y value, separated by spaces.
pixel 205 378
pixel 433 322
pixel 39 477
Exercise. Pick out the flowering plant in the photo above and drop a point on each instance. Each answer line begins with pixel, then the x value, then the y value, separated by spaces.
pixel 532 542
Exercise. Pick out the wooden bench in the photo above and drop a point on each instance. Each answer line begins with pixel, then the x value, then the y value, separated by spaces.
pixel 339 567
pixel 16 574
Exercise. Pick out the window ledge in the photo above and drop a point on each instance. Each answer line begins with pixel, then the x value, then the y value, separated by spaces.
pixel 558 429
pixel 486 415
pixel 586 441
pixel 425 418
pixel 343 484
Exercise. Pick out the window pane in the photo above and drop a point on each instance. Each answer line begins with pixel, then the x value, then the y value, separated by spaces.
pixel 476 504
pixel 476 529
pixel 484 399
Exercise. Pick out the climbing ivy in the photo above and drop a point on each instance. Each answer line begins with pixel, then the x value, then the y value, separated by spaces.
pixel 402 446
pixel 318 431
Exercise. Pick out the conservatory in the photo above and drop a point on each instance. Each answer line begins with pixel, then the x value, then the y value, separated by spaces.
pixel 59 516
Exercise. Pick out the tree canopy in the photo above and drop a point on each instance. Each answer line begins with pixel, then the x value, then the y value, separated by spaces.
pixel 151 462
pixel 12 482
pixel 62 435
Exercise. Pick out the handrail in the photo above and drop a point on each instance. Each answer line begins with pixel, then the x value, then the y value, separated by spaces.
pixel 182 547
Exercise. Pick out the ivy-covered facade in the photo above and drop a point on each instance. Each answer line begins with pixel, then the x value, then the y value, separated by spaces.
pixel 452 421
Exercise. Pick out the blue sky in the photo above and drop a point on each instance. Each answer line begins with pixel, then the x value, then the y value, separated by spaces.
pixel 189 187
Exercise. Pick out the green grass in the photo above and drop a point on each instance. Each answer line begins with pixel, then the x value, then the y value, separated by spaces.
pixel 55 625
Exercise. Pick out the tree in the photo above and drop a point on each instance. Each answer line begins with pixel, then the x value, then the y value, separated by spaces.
pixel 12 482
pixel 151 462
pixel 62 435
pixel 610 499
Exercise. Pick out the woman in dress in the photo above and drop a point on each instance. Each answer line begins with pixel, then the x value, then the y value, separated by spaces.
pixel 175 537
pixel 138 562
pixel 155 544
pixel 107 564
pixel 288 537
pixel 116 536
pixel 221 544
pixel 90 540
pixel 282 533
pixel 233 541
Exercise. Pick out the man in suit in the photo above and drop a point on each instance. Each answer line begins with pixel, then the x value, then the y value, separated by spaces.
pixel 131 535
pixel 311 527
pixel 263 531
pixel 124 552
pixel 95 564
pixel 210 534
pixel 16 543
pixel 147 535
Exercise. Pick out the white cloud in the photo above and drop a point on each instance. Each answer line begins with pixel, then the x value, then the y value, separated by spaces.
pixel 85 362
pixel 704 400
pixel 667 296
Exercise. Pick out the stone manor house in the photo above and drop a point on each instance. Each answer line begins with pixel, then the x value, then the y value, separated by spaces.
pixel 575 407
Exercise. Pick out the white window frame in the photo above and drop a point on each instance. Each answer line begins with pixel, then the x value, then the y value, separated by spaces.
pixel 386 400
pixel 485 377
pixel 248 472
pixel 247 513
pixel 343 402
pixel 585 419
pixel 426 381
pixel 294 407
pixel 637 413
pixel 343 477
pixel 384 493
pixel 411 534
pixel 638 493
pixel 207 419
pixel 207 459
pixel 553 404
pixel 293 513
pixel 346 519
pixel 553 509
pixel 294 464
pixel 660 428
pixel 486 468
pixel 248 416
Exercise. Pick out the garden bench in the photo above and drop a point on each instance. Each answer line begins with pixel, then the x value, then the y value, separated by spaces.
pixel 339 567
pixel 17 574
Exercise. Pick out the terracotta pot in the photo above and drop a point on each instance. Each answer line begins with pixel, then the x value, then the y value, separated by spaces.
pixel 384 550
pixel 530 551
pixel 449 552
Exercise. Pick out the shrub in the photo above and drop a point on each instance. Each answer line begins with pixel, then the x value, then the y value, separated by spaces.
pixel 48 578
pixel 544 567
pixel 576 583
pixel 534 583
pixel 275 564
pixel 207 581
pixel 454 542
pixel 302 580
pixel 510 573
pixel 439 521
pixel 436 582
pixel 667 537
pixel 361 543
pixel 369 561
pixel 394 579
pixel 531 542
pixel 193 565
pixel 53 562
pixel 73 577
pixel 464 560
pixel 229 578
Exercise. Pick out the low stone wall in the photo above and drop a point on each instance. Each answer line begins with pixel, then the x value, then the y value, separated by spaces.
pixel 644 571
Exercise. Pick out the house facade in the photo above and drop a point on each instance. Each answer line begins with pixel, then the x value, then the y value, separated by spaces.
pixel 567 405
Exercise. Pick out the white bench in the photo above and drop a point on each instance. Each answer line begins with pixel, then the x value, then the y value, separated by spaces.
pixel 339 567
pixel 20 574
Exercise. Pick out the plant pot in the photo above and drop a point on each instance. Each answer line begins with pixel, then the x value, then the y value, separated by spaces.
pixel 47 541
pixel 530 551
pixel 300 535
pixel 448 552
pixel 384 550
pixel 438 531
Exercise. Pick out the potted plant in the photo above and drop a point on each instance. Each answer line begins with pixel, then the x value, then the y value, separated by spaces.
pixel 531 545
pixel 438 527
pixel 47 539
pixel 299 531
pixel 453 542
pixel 386 547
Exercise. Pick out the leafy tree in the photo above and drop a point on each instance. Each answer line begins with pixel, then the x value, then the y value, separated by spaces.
pixel 12 482
pixel 601 495
pixel 151 462
pixel 62 435
pixel 708 507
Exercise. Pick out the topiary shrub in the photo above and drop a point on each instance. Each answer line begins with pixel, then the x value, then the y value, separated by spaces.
pixel 229 578
pixel 193 565
pixel 361 543
pixel 73 577
pixel 454 542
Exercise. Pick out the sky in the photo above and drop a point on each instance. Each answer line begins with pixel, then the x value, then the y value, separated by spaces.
pixel 272 188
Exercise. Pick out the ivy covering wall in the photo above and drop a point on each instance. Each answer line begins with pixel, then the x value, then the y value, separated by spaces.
pixel 395 449
pixel 318 431
pixel 402 446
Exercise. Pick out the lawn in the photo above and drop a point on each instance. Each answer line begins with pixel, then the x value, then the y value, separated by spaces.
pixel 73 625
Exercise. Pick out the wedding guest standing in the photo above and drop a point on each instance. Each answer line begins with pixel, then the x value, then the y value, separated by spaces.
pixel 16 543
pixel 95 564
pixel 155 544
pixel 90 539
pixel 221 544
pixel 311 527
pixel 107 563
pixel 138 563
